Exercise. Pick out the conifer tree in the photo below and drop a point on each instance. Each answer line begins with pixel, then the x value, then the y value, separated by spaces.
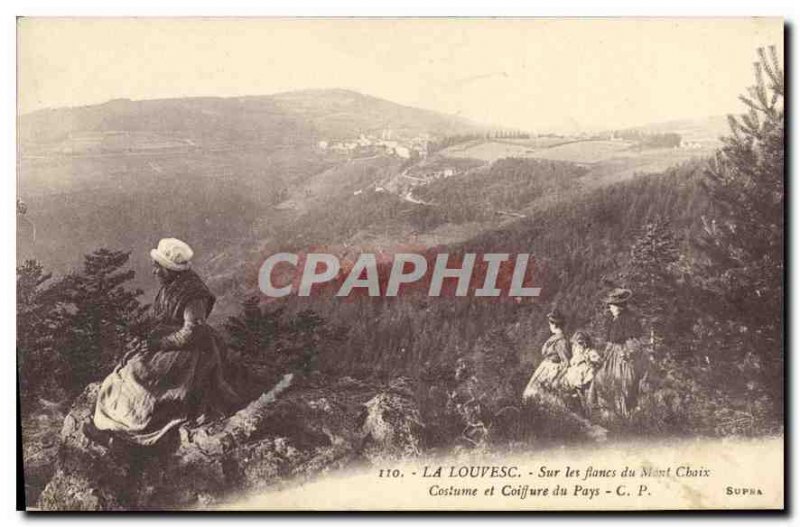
pixel 98 316
pixel 252 331
pixel 650 274
pixel 267 337
pixel 37 359
pixel 743 237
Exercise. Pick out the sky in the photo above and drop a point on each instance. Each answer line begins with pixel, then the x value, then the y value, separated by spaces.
pixel 531 74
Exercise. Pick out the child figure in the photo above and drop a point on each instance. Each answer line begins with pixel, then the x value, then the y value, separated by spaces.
pixel 584 363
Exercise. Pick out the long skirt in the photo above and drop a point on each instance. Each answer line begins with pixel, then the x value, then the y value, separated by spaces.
pixel 616 384
pixel 545 377
pixel 150 394
pixel 578 375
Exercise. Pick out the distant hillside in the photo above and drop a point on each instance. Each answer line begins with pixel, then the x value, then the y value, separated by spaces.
pixel 292 118
pixel 195 121
pixel 125 173
pixel 336 113
pixel 706 130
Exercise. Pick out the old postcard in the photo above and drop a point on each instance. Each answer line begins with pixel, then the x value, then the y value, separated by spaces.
pixel 445 264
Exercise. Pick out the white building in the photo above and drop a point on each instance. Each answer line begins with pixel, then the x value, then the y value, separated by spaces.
pixel 691 145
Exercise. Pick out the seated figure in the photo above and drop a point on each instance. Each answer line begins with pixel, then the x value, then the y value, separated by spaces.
pixel 178 374
pixel 555 359
pixel 583 365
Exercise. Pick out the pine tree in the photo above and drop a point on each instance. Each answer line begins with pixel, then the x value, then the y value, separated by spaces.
pixel 252 331
pixel 99 316
pixel 308 334
pixel 743 238
pixel 269 339
pixel 650 274
pixel 38 360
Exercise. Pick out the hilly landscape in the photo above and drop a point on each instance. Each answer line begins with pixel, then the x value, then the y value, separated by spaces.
pixel 342 380
pixel 126 173
pixel 245 176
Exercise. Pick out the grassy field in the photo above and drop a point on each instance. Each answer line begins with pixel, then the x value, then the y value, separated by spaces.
pixel 607 161
pixel 650 161
pixel 556 149
pixel 488 150
pixel 585 151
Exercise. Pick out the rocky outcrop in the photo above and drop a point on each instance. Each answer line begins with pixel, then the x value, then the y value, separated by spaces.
pixel 88 476
pixel 304 426
pixel 296 430
pixel 40 444
pixel 393 426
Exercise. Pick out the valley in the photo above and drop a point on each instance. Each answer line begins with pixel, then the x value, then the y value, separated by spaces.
pixel 245 177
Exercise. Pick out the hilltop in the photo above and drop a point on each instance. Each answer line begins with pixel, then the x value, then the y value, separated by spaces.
pixel 184 124
pixel 124 173
pixel 336 114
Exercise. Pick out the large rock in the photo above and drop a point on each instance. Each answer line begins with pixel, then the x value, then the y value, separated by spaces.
pixel 393 426
pixel 296 430
pixel 88 476
pixel 40 445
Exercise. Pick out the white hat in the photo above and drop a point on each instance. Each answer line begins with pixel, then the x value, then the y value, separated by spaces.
pixel 173 254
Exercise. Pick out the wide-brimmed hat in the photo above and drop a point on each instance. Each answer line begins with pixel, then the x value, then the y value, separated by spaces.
pixel 556 317
pixel 618 297
pixel 173 254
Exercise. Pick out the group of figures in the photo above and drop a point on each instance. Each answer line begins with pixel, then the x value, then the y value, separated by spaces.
pixel 590 380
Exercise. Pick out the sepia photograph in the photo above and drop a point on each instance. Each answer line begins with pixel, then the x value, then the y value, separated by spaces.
pixel 401 264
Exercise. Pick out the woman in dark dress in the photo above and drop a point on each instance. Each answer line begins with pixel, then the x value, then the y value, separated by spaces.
pixel 178 375
pixel 616 385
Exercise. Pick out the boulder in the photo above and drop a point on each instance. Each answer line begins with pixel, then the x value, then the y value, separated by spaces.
pixel 88 476
pixel 40 445
pixel 393 427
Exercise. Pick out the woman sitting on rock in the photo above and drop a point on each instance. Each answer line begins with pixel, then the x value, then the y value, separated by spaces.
pixel 556 355
pixel 177 374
